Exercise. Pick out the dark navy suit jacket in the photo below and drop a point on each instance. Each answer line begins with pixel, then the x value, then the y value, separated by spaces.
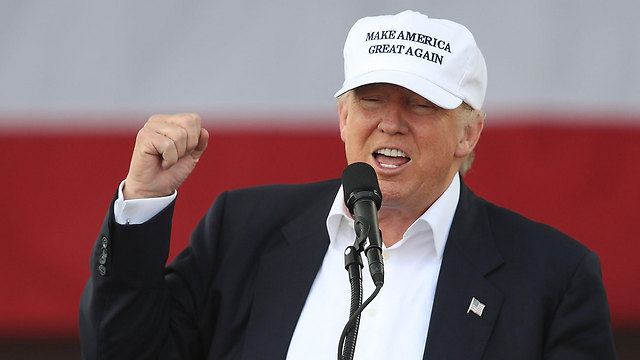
pixel 237 291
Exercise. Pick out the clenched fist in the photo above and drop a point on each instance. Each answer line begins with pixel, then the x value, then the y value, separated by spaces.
pixel 167 149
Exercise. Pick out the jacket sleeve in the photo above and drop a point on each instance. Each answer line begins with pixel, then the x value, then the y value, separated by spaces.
pixel 132 307
pixel 581 328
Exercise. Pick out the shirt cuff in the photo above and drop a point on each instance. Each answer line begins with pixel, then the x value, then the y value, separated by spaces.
pixel 137 211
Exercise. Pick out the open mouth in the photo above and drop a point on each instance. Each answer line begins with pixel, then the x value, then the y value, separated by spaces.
pixel 391 158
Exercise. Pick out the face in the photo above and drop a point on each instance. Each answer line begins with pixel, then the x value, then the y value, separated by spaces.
pixel 414 146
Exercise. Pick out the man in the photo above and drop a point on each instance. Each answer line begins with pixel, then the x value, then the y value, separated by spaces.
pixel 263 276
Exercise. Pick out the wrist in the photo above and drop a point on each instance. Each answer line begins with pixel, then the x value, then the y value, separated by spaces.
pixel 130 191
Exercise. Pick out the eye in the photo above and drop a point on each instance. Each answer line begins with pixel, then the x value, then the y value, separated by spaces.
pixel 422 106
pixel 370 101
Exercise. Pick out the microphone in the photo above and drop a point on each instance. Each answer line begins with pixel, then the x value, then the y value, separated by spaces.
pixel 363 199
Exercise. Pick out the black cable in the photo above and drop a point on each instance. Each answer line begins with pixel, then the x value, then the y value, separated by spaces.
pixel 352 336
pixel 352 320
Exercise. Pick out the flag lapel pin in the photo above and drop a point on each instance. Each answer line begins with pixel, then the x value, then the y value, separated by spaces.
pixel 476 307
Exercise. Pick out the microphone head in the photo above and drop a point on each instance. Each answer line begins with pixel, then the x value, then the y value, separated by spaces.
pixel 359 181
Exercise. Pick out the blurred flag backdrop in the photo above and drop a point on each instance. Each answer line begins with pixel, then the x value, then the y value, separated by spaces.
pixel 78 78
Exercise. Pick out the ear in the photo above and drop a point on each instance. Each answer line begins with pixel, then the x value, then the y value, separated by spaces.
pixel 343 110
pixel 471 133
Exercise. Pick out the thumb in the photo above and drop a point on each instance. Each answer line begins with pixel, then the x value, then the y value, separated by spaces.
pixel 203 141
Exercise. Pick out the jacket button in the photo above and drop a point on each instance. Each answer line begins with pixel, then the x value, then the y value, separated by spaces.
pixel 105 242
pixel 103 257
pixel 102 270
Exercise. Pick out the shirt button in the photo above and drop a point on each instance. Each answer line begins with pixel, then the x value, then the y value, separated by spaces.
pixel 371 312
pixel 385 255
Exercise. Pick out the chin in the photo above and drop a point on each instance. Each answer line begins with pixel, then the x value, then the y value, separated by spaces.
pixel 390 192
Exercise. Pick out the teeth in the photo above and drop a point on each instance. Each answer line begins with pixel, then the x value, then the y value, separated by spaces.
pixel 388 166
pixel 391 153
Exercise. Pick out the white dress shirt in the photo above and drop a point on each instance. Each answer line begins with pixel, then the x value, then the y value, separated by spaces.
pixel 395 324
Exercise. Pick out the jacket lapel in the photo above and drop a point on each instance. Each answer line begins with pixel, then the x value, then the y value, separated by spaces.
pixel 455 331
pixel 289 269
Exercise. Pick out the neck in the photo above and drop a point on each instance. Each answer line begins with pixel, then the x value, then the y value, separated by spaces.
pixel 395 217
pixel 394 223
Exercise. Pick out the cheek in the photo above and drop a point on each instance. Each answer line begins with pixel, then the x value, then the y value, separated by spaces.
pixel 346 134
pixel 449 138
pixel 355 131
pixel 355 141
pixel 437 149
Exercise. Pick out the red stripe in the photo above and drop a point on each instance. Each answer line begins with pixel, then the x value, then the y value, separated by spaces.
pixel 581 180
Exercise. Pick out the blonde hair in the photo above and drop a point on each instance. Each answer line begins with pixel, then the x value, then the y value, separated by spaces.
pixel 470 114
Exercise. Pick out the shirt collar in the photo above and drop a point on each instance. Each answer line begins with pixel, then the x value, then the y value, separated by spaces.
pixel 437 218
pixel 338 212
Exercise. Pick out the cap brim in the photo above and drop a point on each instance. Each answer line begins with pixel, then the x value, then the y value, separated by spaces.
pixel 418 85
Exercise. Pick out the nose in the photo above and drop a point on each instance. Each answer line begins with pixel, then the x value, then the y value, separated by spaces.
pixel 392 120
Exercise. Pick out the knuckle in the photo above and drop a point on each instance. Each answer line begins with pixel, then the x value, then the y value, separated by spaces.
pixel 156 118
pixel 184 134
pixel 142 134
pixel 191 119
pixel 195 117
pixel 167 144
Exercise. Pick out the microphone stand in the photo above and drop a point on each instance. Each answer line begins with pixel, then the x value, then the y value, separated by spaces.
pixel 353 265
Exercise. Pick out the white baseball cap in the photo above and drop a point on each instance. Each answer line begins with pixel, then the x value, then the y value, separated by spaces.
pixel 437 59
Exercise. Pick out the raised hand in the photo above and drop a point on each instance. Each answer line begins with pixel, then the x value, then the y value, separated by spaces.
pixel 167 149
